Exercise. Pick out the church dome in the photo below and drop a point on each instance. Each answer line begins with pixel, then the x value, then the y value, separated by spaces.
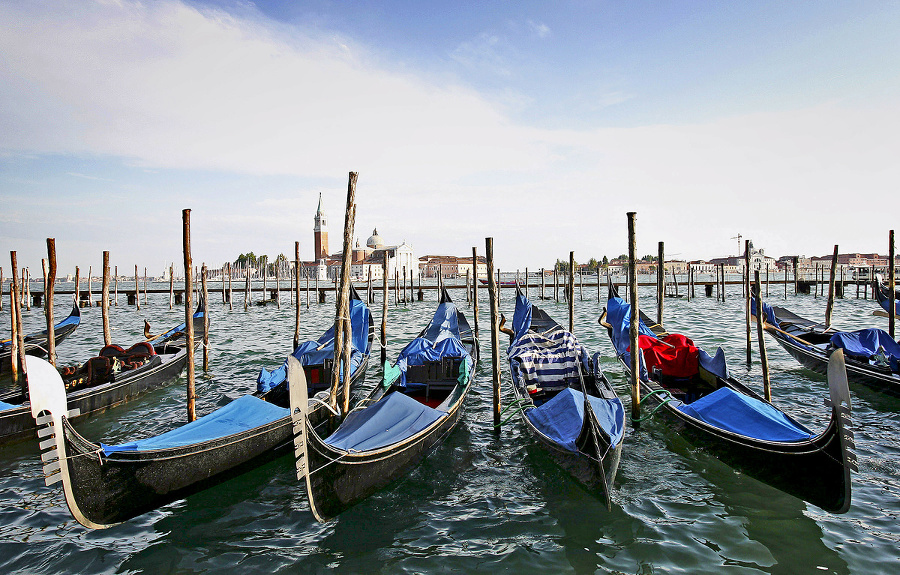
pixel 375 240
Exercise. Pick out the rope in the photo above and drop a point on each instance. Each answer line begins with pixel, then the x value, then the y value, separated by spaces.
pixel 516 403
pixel 665 400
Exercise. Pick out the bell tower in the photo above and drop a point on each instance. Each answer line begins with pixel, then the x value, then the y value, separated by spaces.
pixel 320 232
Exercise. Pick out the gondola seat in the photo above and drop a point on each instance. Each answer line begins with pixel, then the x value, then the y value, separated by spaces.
pixel 112 350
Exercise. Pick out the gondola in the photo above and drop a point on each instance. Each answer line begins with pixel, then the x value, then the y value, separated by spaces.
pixel 417 404
pixel 114 376
pixel 883 295
pixel 812 343
pixel 107 484
pixel 694 393
pixel 566 402
pixel 36 343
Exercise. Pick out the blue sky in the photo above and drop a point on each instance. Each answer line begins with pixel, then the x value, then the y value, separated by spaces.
pixel 539 124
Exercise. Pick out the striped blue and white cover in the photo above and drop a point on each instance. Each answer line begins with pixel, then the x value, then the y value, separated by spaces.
pixel 547 359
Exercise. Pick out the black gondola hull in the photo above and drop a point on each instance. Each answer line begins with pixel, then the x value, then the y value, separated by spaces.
pixel 338 487
pixel 811 470
pixel 17 423
pixel 36 344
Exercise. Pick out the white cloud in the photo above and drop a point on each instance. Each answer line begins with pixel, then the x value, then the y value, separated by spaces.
pixel 174 87
pixel 168 86
pixel 539 29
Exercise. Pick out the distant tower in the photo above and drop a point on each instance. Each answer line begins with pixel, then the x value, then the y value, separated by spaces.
pixel 320 231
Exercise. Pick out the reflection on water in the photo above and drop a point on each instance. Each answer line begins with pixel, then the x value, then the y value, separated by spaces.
pixel 484 500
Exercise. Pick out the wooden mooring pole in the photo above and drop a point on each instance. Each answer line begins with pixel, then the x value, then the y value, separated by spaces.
pixel 203 272
pixel 570 297
pixel 475 288
pixel 296 292
pixel 495 328
pixel 829 308
pixel 189 313
pixel 384 306
pixel 892 286
pixel 763 358
pixel 635 322
pixel 48 299
pixel 15 361
pixel 745 287
pixel 660 281
pixel 104 301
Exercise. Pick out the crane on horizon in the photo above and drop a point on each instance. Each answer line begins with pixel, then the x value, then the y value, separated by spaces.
pixel 738 238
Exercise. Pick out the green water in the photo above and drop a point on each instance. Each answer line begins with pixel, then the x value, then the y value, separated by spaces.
pixel 483 501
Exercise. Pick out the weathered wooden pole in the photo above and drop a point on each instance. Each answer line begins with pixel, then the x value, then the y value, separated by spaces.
pixel 27 284
pixel 77 286
pixel 203 274
pixel 718 285
pixel 468 286
pixel 369 287
pixel 316 287
pixel 296 292
pixel 246 287
pixel 816 283
pixel 635 322
pixel 499 288
pixel 137 288
pixel 475 288
pixel 571 288
pixel 172 286
pixel 555 283
pixel 230 292
pixel 580 286
pixel 543 282
pixel 767 280
pixel 189 313
pixel 48 299
pixel 14 356
pixel 265 275
pixel 723 282
pixel 90 286
pixel 526 283
pixel 829 307
pixel 785 281
pixel 660 281
pixel 405 294
pixel 116 286
pixel 396 287
pixel 384 306
pixel 892 286
pixel 495 328
pixel 746 289
pixel 278 284
pixel 342 317
pixel 104 301
pixel 767 388
pixel 796 262
pixel 306 273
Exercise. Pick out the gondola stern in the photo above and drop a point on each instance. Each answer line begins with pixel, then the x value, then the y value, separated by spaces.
pixel 49 408
pixel 839 401
pixel 301 430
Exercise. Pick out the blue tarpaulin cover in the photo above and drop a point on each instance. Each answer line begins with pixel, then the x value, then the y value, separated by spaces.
pixel 769 313
pixel 4 406
pixel 866 342
pixel 444 324
pixel 240 415
pixel 393 419
pixel 560 418
pixel 714 364
pixel 618 315
pixel 308 352
pixel 747 416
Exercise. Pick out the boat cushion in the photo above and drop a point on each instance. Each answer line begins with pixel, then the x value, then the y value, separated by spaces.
pixel 560 418
pixel 865 343
pixel 240 415
pixel 674 355
pixel 112 350
pixel 745 415
pixel 391 420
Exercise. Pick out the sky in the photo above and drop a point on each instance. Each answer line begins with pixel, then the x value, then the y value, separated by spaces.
pixel 539 124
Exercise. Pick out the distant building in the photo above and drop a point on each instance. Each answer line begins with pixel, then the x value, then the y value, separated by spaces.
pixel 450 266
pixel 363 260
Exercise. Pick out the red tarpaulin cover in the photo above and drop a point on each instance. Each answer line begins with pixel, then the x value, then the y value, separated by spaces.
pixel 677 359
